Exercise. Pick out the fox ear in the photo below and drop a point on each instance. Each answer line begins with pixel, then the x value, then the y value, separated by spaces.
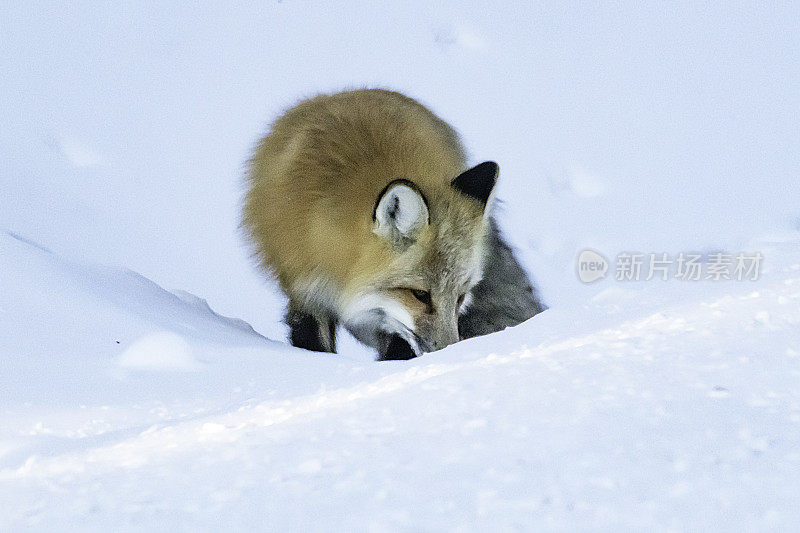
pixel 478 181
pixel 400 212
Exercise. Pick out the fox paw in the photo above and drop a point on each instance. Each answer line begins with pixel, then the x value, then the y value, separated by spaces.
pixel 394 347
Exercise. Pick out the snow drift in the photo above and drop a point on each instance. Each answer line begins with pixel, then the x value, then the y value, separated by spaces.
pixel 127 406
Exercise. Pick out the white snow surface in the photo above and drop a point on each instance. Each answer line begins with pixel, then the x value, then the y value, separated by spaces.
pixel 125 406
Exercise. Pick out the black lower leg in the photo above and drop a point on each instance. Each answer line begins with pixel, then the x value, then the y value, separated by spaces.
pixel 306 331
pixel 394 347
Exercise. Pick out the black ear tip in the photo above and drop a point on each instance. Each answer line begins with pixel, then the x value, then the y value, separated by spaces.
pixel 490 166
pixel 478 181
pixel 492 169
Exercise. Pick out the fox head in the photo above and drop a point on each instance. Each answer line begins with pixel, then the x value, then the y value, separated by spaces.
pixel 434 241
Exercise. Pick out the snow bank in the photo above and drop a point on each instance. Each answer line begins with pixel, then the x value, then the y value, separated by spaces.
pixel 646 408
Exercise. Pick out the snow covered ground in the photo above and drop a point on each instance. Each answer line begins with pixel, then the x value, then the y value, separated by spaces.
pixel 127 403
pixel 127 406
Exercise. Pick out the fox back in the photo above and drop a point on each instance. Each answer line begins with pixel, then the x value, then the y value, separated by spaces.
pixel 361 205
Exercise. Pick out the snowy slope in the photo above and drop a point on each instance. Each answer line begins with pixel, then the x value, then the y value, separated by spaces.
pixel 645 408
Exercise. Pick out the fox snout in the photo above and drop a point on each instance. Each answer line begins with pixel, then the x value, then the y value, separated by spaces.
pixel 449 338
pixel 438 331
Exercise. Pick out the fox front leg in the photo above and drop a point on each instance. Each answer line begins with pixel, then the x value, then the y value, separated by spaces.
pixel 393 347
pixel 391 338
pixel 310 332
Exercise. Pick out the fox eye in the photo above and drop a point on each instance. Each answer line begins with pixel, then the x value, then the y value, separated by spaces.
pixel 460 301
pixel 422 296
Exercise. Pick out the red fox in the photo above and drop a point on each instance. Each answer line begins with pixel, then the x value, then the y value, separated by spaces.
pixel 362 206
